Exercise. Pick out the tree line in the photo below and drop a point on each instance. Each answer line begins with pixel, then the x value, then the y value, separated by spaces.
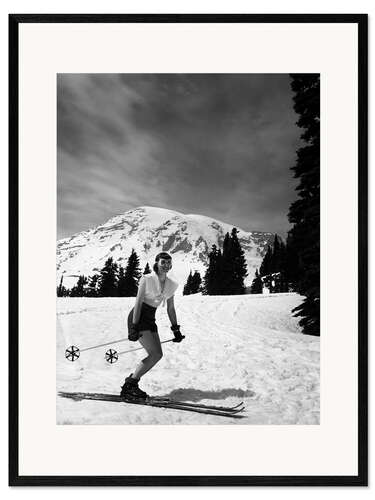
pixel 112 281
pixel 279 268
pixel 224 275
pixel 226 270
pixel 193 284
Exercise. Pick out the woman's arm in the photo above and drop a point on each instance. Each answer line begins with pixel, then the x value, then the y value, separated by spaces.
pixel 139 300
pixel 172 316
pixel 171 311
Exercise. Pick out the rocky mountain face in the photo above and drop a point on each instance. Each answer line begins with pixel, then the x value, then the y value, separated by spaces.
pixel 150 230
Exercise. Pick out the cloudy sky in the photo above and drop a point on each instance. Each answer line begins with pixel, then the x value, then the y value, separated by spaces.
pixel 216 145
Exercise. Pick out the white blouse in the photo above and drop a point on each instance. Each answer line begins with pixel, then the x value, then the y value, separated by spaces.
pixel 154 295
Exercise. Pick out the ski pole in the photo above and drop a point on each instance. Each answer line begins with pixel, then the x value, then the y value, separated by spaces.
pixel 112 356
pixel 72 353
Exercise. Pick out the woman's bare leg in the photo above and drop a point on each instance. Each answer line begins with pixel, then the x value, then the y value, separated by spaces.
pixel 151 342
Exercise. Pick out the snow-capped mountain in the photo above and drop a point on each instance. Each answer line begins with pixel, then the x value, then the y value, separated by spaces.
pixel 150 230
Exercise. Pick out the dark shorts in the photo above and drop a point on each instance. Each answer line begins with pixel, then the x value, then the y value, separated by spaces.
pixel 146 320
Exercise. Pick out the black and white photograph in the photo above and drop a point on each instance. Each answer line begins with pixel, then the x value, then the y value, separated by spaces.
pixel 188 249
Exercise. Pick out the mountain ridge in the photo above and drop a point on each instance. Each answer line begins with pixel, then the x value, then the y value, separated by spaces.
pixel 150 230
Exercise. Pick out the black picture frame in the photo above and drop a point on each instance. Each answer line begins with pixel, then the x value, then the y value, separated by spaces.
pixel 361 479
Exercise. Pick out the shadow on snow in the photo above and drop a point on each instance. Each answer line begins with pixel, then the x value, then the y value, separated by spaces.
pixel 195 395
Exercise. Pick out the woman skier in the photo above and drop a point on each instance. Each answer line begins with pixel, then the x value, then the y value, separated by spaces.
pixel 154 289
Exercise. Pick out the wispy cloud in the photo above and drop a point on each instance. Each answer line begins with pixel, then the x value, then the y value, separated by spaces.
pixel 220 145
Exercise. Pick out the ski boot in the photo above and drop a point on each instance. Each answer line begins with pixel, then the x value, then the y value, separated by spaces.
pixel 130 389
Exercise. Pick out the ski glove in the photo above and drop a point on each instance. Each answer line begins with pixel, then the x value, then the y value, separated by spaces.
pixel 133 335
pixel 178 337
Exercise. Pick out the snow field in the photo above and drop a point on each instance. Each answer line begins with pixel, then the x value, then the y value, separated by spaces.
pixel 237 348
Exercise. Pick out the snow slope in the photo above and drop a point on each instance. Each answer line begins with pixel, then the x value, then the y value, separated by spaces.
pixel 237 348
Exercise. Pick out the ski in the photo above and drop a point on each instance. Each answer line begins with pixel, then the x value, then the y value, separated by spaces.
pixel 199 405
pixel 173 406
pixel 158 402
pixel 156 399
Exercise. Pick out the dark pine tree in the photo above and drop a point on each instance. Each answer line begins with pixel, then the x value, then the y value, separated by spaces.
pixel 62 291
pixel 283 257
pixel 108 279
pixel 79 289
pixel 60 287
pixel 210 280
pixel 196 283
pixel 132 275
pixel 188 285
pixel 239 265
pixel 265 267
pixel 227 267
pixel 218 276
pixel 274 267
pixel 276 256
pixel 147 269
pixel 226 270
pixel 256 285
pixel 304 213
pixel 278 265
pixel 121 286
pixel 292 264
pixel 93 286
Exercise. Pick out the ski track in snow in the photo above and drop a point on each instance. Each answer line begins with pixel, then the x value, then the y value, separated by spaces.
pixel 237 348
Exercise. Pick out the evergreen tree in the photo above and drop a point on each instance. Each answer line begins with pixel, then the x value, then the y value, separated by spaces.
pixel 257 284
pixel 132 275
pixel 60 287
pixel 276 256
pixel 93 286
pixel 274 267
pixel 79 289
pixel 226 270
pixel 121 285
pixel 108 279
pixel 227 267
pixel 265 267
pixel 218 275
pixel 147 269
pixel 292 264
pixel 211 276
pixel 188 285
pixel 61 290
pixel 304 213
pixel 239 265
pixel 278 265
pixel 196 282
pixel 283 258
